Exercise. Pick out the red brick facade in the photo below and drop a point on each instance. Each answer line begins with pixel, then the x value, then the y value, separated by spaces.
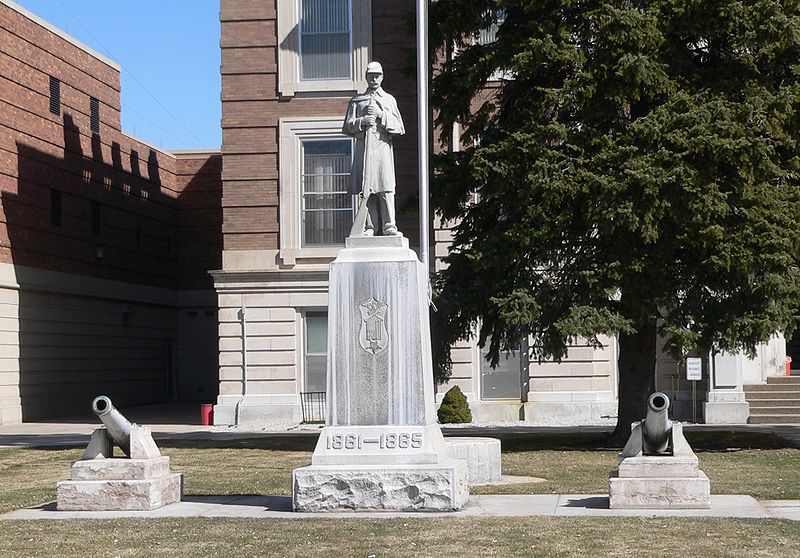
pixel 160 217
pixel 106 242
pixel 252 107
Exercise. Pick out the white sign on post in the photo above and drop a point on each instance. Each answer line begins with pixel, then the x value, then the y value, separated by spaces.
pixel 694 368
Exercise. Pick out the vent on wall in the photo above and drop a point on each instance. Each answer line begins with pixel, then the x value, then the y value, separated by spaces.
pixel 55 95
pixel 94 114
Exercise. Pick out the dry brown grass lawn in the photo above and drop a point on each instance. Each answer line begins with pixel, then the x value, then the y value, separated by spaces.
pixel 263 466
pixel 423 537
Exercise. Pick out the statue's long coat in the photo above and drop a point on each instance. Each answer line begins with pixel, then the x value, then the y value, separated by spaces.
pixel 380 165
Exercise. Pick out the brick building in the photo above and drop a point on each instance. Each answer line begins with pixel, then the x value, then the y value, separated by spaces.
pixel 288 70
pixel 105 241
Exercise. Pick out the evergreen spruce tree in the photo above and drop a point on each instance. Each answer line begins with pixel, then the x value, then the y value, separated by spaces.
pixel 633 172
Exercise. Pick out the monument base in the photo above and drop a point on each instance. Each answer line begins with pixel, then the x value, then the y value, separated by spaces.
pixel 379 445
pixel 482 456
pixel 659 493
pixel 119 485
pixel 418 487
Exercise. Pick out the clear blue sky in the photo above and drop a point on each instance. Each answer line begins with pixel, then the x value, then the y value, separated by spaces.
pixel 169 53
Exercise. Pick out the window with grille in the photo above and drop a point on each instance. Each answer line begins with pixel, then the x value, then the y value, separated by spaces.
pixel 55 95
pixel 325 39
pixel 55 208
pixel 489 34
pixel 327 207
pixel 94 115
pixel 316 351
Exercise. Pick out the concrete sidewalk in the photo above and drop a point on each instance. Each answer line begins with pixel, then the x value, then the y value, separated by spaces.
pixel 76 434
pixel 533 505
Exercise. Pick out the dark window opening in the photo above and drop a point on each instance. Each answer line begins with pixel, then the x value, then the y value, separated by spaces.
pixel 55 95
pixel 95 219
pixel 55 208
pixel 94 114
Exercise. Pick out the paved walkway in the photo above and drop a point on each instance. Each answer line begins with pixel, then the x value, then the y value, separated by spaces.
pixel 180 422
pixel 169 425
pixel 528 505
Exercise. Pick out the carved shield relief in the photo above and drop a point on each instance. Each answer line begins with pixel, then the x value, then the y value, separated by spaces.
pixel 373 335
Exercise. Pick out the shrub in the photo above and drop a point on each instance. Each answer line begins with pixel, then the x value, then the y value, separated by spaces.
pixel 454 408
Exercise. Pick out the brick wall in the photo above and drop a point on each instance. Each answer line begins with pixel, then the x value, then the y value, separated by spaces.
pixel 145 219
pixel 139 189
pixel 251 109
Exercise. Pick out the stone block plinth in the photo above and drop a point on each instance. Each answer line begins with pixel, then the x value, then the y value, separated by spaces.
pixel 119 485
pixel 420 487
pixel 659 493
pixel 482 456
pixel 669 481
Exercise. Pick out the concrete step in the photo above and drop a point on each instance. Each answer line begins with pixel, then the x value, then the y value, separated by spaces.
pixel 772 387
pixel 756 411
pixel 772 394
pixel 777 402
pixel 774 419
pixel 782 380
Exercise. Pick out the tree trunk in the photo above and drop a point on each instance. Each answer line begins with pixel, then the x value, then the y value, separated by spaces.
pixel 637 365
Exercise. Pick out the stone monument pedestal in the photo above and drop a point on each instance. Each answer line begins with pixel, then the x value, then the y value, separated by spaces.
pixel 382 448
pixel 101 482
pixel 418 487
pixel 119 484
pixel 660 481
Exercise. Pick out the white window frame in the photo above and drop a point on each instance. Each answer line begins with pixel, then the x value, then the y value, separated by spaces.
pixel 293 131
pixel 304 343
pixel 289 82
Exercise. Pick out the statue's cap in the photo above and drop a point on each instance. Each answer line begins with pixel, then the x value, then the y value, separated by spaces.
pixel 374 68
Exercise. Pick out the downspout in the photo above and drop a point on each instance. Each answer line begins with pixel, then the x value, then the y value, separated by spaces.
pixel 243 318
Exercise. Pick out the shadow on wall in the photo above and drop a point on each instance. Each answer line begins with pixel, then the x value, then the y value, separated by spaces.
pixel 88 218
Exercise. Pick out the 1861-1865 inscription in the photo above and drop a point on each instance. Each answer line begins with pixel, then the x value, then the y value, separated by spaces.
pixel 384 441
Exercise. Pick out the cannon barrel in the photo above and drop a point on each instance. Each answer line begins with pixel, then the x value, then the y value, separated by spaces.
pixel 119 428
pixel 657 426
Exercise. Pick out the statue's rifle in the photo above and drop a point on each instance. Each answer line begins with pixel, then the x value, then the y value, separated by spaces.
pixel 360 221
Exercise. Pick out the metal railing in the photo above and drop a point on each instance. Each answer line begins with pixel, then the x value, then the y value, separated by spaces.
pixel 313 405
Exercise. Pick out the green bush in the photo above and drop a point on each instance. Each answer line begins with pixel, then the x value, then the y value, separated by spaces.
pixel 454 407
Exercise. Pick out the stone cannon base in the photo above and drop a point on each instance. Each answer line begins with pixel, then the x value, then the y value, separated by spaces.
pixel 653 493
pixel 418 487
pixel 660 481
pixel 119 485
pixel 482 456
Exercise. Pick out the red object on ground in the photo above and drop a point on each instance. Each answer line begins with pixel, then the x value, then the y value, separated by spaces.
pixel 206 414
pixel 788 366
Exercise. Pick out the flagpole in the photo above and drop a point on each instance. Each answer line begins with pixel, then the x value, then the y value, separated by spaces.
pixel 423 129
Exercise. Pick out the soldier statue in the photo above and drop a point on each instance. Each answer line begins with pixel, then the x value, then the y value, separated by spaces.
pixel 373 119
